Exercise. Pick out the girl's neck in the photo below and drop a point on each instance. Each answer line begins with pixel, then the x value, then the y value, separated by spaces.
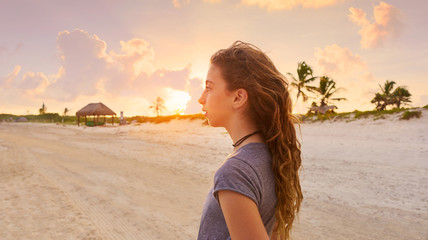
pixel 240 129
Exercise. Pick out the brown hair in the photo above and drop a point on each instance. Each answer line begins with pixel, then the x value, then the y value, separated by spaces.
pixel 243 65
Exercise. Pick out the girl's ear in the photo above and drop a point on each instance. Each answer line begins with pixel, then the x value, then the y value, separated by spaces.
pixel 240 98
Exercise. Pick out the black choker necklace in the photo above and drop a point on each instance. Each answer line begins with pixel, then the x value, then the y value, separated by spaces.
pixel 243 139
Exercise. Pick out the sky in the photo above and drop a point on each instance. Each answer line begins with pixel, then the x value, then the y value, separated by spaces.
pixel 125 54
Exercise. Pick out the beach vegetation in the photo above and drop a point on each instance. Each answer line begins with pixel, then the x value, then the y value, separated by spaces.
pixel 304 77
pixel 401 96
pixel 165 119
pixel 64 114
pixel 375 113
pixel 43 109
pixel 158 106
pixel 426 106
pixel 398 97
pixel 411 114
pixel 351 116
pixel 326 89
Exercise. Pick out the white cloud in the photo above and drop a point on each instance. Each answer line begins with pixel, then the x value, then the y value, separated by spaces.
pixel 386 24
pixel 276 5
pixel 335 59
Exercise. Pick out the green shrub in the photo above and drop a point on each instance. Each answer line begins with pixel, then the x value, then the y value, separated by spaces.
pixel 376 113
pixel 411 114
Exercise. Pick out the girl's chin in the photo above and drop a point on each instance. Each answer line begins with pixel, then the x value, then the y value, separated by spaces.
pixel 213 123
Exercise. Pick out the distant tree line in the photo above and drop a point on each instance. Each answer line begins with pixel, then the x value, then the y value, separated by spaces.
pixel 388 96
pixel 327 88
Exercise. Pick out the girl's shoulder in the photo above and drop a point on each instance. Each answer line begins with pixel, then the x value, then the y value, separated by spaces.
pixel 252 154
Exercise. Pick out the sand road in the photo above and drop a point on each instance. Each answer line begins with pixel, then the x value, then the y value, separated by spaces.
pixel 150 181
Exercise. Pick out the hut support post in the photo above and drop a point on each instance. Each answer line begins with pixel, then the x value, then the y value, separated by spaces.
pixel 78 122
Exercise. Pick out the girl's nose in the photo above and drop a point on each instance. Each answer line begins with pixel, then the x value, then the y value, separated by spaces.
pixel 201 99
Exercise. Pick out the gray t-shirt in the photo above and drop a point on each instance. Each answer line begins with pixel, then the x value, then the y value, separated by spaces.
pixel 248 172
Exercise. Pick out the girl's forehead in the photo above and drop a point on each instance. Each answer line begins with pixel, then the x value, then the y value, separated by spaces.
pixel 214 75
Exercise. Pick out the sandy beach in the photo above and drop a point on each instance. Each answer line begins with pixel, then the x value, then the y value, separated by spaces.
pixel 365 179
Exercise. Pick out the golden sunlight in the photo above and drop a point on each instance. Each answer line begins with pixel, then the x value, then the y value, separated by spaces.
pixel 176 101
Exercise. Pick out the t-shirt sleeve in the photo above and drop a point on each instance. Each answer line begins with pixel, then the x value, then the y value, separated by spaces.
pixel 238 176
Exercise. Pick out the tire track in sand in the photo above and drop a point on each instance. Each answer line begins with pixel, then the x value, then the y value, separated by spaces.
pixel 68 179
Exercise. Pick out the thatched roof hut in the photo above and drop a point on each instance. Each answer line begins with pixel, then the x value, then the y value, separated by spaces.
pixel 96 110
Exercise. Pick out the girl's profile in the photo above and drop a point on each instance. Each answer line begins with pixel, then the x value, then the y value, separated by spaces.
pixel 256 192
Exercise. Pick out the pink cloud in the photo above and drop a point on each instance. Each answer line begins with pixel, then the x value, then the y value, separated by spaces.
pixel 32 80
pixel 137 56
pixel 32 83
pixel 88 69
pixel 335 59
pixel 7 81
pixel 179 4
pixel 276 5
pixel 386 24
pixel 83 62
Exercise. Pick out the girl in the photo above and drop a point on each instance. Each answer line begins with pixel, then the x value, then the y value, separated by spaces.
pixel 256 192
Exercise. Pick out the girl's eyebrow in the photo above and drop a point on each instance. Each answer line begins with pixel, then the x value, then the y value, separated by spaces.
pixel 209 81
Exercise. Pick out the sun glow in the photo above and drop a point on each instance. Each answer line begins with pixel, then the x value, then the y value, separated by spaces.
pixel 176 101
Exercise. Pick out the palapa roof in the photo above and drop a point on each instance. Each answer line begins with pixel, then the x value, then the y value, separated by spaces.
pixel 95 109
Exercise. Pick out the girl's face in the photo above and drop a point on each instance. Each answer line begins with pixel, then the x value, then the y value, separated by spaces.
pixel 216 100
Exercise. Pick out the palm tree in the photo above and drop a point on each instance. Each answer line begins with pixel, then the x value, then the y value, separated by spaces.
pixel 383 99
pixel 387 88
pixel 43 109
pixel 380 101
pixel 158 105
pixel 401 95
pixel 65 113
pixel 304 73
pixel 388 97
pixel 326 89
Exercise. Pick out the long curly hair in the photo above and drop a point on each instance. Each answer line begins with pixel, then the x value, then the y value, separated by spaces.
pixel 243 65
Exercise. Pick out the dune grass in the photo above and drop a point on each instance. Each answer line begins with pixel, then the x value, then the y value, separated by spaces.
pixel 411 114
pixel 355 115
pixel 72 120
pixel 408 113
pixel 164 119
